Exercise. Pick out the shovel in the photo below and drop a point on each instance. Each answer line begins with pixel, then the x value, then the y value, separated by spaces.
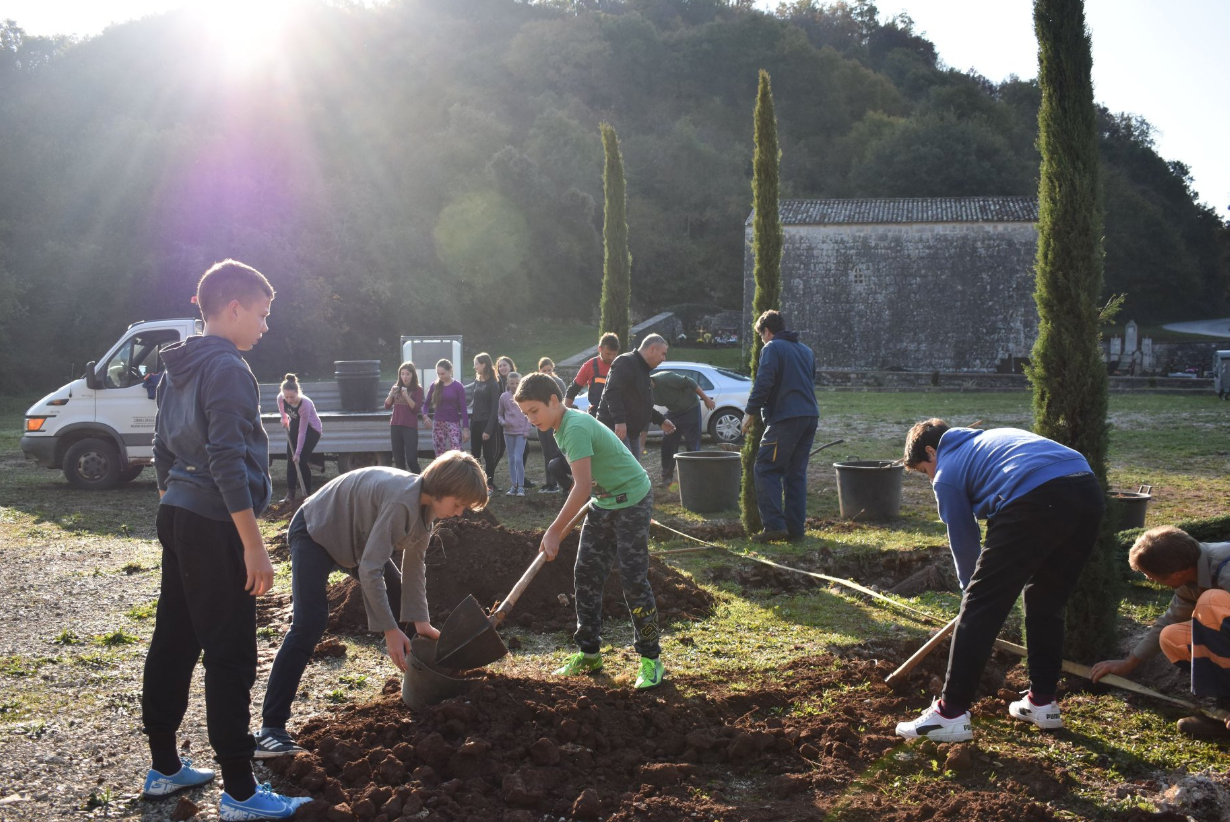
pixel 826 445
pixel 469 638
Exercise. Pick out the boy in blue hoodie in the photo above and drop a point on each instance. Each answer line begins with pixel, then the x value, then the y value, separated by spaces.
pixel 784 394
pixel 1043 508
pixel 211 456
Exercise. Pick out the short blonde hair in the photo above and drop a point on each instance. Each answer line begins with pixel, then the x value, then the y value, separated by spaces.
pixel 457 474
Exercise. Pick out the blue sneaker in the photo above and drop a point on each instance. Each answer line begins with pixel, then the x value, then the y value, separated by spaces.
pixel 159 784
pixel 264 804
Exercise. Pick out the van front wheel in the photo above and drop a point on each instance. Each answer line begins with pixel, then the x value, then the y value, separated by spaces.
pixel 92 465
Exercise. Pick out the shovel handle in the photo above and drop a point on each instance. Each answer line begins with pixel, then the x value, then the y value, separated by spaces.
pixel 531 572
pixel 922 652
pixel 826 445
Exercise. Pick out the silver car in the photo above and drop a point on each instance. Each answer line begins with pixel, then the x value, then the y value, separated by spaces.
pixel 729 390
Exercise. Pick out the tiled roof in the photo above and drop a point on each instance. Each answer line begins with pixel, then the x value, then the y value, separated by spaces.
pixel 912 210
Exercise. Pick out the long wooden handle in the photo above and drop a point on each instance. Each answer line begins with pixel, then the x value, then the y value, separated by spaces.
pixel 532 571
pixel 922 652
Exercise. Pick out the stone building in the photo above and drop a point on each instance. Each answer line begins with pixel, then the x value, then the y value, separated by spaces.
pixel 941 284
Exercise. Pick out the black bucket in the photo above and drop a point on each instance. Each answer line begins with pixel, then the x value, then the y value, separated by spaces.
pixel 423 683
pixel 358 383
pixel 709 480
pixel 1133 505
pixel 869 490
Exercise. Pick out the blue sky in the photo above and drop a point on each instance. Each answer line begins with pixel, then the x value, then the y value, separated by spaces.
pixel 1163 61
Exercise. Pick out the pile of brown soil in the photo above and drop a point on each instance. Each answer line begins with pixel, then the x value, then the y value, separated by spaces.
pixel 903 572
pixel 479 557
pixel 518 750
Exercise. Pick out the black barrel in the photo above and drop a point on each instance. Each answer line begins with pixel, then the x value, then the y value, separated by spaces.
pixel 358 383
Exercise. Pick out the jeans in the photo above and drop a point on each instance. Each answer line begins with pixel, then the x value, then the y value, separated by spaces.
pixel 1038 543
pixel 309 445
pixel 202 607
pixel 310 566
pixel 687 432
pixel 783 456
pixel 405 441
pixel 516 459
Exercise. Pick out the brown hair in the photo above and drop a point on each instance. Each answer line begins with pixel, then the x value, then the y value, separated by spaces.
pixel 609 340
pixel 545 361
pixel 457 474
pixel 291 382
pixel 414 375
pixel 230 280
pixel 512 366
pixel 484 359
pixel 770 321
pixel 1163 551
pixel 538 388
pixel 923 434
pixel 435 397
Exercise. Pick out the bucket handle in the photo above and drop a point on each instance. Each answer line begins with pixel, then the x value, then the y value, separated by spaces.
pixel 1146 489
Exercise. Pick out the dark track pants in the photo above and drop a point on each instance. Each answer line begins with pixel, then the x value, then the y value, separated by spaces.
pixel 686 433
pixel 782 459
pixel 309 445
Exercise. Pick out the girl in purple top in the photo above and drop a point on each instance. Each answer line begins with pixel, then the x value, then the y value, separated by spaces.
pixel 406 400
pixel 446 403
pixel 303 426
pixel 516 428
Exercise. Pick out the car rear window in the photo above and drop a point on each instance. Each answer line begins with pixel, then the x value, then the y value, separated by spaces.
pixel 734 375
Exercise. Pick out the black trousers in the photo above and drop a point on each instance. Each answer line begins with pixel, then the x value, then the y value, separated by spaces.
pixel 687 433
pixel 559 472
pixel 405 441
pixel 202 607
pixel 1038 544
pixel 550 451
pixel 309 445
pixel 488 451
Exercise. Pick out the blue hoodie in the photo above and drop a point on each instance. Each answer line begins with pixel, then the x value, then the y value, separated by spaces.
pixel 785 384
pixel 977 473
pixel 211 452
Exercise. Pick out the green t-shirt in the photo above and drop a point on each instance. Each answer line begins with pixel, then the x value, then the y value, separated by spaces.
pixel 675 391
pixel 620 480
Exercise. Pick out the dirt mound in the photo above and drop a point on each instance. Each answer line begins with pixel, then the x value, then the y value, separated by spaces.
pixel 475 556
pixel 907 573
pixel 518 749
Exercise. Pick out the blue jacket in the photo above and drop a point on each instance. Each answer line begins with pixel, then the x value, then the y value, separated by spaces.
pixel 978 473
pixel 211 452
pixel 785 384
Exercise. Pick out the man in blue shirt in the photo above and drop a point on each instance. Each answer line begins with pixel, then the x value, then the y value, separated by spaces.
pixel 784 394
pixel 1043 508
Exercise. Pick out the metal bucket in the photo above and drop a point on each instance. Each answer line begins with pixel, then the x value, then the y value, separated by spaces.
pixel 869 490
pixel 1134 505
pixel 423 683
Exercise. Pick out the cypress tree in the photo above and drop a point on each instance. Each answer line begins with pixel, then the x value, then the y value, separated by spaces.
pixel 1066 371
pixel 616 258
pixel 767 272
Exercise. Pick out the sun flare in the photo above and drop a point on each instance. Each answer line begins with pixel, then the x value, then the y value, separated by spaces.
pixel 244 34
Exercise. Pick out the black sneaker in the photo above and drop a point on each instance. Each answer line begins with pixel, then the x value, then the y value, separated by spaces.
pixel 529 483
pixel 271 743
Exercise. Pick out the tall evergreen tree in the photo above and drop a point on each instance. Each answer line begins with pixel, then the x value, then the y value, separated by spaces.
pixel 616 258
pixel 1068 377
pixel 767 249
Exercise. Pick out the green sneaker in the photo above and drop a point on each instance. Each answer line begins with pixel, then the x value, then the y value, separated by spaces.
pixel 580 663
pixel 651 673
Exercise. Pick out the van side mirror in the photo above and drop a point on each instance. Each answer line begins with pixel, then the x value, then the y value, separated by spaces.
pixel 91 378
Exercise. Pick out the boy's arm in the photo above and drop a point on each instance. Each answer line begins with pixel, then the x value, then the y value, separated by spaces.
pixel 255 557
pixel 1181 609
pixel 391 527
pixel 964 538
pixel 580 381
pixel 582 482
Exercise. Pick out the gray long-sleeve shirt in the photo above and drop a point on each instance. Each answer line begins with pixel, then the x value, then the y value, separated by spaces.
pixel 361 518
pixel 1183 605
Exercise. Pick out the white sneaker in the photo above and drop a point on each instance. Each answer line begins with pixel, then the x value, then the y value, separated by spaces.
pixel 934 726
pixel 1046 717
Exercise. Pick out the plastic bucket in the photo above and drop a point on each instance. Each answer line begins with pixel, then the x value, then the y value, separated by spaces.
pixel 1133 504
pixel 709 480
pixel 869 489
pixel 358 383
pixel 423 683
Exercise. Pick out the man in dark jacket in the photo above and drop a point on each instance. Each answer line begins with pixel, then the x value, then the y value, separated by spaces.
pixel 627 401
pixel 784 395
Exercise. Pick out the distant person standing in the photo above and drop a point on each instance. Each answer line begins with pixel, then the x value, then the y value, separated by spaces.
pixel 485 434
pixel 304 428
pixel 627 401
pixel 784 395
pixel 593 374
pixel 446 405
pixel 516 428
pixel 682 397
pixel 546 439
pixel 406 400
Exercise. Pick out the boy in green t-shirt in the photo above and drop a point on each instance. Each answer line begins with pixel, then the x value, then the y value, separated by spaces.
pixel 616 527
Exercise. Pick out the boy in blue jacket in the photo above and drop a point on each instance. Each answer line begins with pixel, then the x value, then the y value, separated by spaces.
pixel 1043 508
pixel 784 394
pixel 211 455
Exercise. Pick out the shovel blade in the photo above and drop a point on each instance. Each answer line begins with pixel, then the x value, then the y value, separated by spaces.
pixel 467 638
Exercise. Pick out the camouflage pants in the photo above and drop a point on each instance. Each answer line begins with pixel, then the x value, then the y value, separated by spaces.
pixel 607 536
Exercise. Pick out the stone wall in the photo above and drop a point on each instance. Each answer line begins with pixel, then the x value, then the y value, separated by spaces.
pixel 953 297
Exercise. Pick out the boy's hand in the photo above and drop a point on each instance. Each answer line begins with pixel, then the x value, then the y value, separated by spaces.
pixel 426 629
pixel 668 427
pixel 1118 667
pixel 549 545
pixel 621 430
pixel 465 435
pixel 486 436
pixel 260 570
pixel 399 646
